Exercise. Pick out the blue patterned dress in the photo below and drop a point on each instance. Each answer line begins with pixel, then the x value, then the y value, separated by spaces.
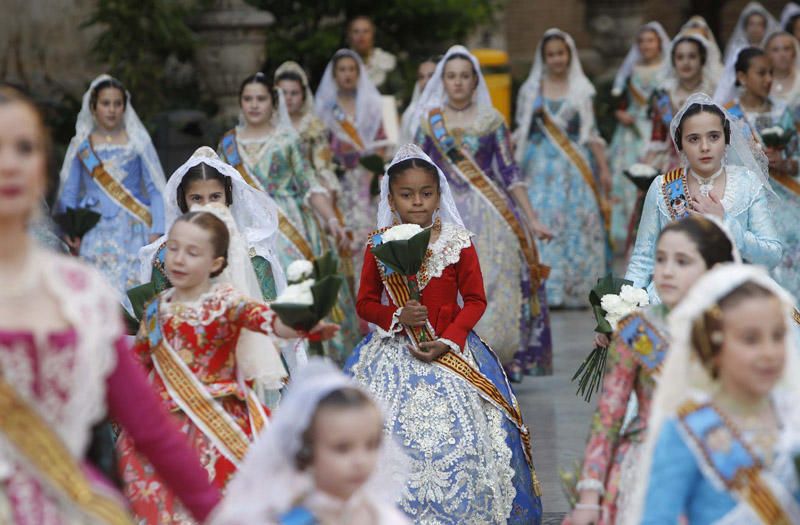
pixel 627 146
pixel 748 216
pixel 683 483
pixel 786 202
pixel 578 253
pixel 113 244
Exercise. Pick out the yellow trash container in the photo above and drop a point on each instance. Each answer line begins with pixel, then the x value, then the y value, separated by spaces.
pixel 496 70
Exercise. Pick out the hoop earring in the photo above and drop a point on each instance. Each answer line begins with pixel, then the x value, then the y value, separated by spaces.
pixel 435 216
pixel 396 220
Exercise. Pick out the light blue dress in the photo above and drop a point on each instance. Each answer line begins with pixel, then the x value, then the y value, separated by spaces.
pixel 785 202
pixel 683 483
pixel 113 244
pixel 627 148
pixel 579 251
pixel 748 217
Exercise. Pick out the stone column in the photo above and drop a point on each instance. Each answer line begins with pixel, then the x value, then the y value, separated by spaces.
pixel 232 44
pixel 612 25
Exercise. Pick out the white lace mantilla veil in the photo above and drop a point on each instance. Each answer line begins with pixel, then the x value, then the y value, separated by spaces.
pixel 634 57
pixel 255 212
pixel 407 125
pixel 684 376
pixel 697 25
pixel 448 212
pixel 435 96
pixel 738 39
pixel 742 150
pixel 791 9
pixel 369 105
pixel 257 358
pixel 138 137
pixel 580 92
pixel 269 484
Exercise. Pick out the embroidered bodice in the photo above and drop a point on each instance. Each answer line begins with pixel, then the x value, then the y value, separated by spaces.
pixel 450 270
pixel 204 333
pixel 747 216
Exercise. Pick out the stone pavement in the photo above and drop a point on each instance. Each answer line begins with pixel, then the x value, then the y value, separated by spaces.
pixel 558 419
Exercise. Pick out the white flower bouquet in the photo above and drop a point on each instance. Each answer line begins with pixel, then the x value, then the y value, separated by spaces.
pixel 611 299
pixel 775 137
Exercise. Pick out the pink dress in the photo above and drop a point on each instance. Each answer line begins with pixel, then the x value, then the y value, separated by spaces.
pixel 50 373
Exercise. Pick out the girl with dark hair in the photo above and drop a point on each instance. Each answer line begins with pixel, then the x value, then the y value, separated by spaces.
pixel 724 425
pixel 457 125
pixel 690 69
pixel 65 363
pixel 754 25
pixel 685 250
pixel 447 398
pixel 112 168
pixel 267 152
pixel 721 176
pixel 790 19
pixel 563 159
pixel 189 344
pixel 763 116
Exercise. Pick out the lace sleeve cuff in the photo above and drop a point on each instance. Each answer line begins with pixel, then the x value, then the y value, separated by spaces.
pixel 453 346
pixel 268 325
pixel 394 328
pixel 590 484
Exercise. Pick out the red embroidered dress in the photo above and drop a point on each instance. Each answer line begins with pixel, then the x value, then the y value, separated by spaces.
pixel 203 334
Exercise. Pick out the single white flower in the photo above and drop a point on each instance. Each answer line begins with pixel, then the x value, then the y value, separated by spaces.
pixel 642 170
pixel 299 270
pixel 611 303
pixel 299 293
pixel 401 232
pixel 633 296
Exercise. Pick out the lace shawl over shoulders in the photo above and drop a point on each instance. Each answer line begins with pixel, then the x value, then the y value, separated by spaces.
pixel 446 250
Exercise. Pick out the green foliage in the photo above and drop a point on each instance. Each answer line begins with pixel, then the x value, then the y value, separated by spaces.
pixel 137 40
pixel 309 32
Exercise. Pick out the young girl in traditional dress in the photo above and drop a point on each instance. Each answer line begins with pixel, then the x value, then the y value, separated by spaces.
pixel 266 150
pixel 784 57
pixel 691 69
pixel 635 82
pixel 686 249
pixel 447 400
pixel 563 159
pixel 112 168
pixel 323 460
pixel 752 28
pixel 65 363
pixel 760 113
pixel 725 423
pixel 189 342
pixel 460 128
pixel 408 126
pixel 735 191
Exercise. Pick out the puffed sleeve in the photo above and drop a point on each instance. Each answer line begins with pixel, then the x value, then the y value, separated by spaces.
pixel 304 180
pixel 673 476
pixel 618 383
pixel 134 404
pixel 759 242
pixel 640 267
pixel 470 286
pixel 254 315
pixel 156 200
pixel 370 290
pixel 70 193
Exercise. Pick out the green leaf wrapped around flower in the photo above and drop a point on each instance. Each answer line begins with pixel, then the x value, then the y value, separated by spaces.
pixel 403 250
pixel 139 296
pixel 304 303
pixel 76 222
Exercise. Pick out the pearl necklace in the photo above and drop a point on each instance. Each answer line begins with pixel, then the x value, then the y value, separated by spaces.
pixel 706 183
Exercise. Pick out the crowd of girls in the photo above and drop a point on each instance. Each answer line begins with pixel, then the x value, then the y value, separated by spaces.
pixel 220 416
